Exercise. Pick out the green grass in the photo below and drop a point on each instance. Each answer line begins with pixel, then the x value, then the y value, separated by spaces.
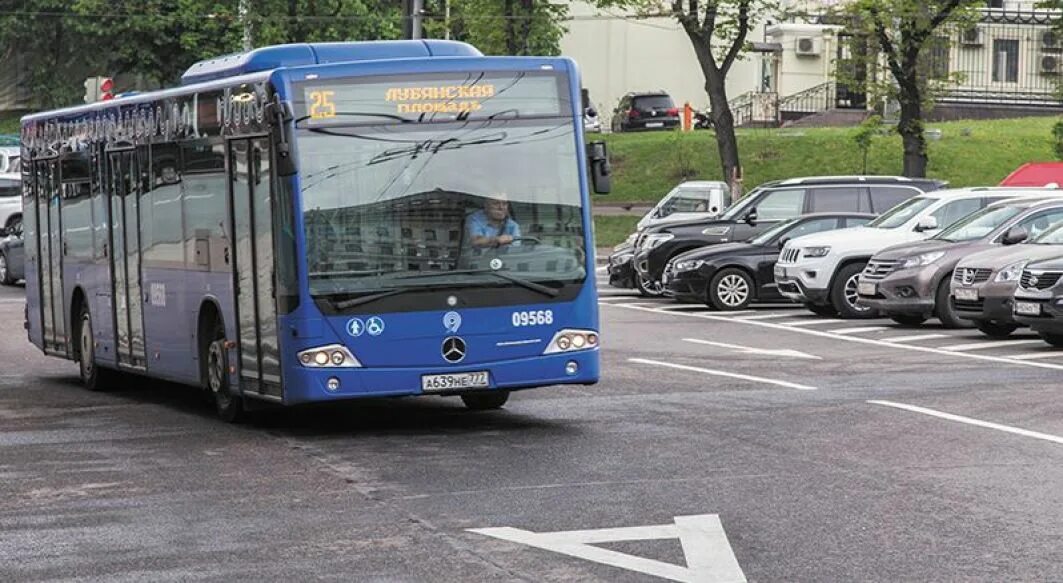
pixel 610 230
pixel 9 122
pixel 970 153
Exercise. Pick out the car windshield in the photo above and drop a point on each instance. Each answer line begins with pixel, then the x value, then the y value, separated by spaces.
pixel 765 237
pixel 1053 236
pixel 387 206
pixel 902 213
pixel 687 201
pixel 741 205
pixel 978 224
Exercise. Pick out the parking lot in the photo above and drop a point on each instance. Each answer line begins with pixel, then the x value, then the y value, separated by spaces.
pixel 793 447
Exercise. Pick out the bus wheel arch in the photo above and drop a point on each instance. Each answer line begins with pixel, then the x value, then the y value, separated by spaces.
pixel 78 309
pixel 214 363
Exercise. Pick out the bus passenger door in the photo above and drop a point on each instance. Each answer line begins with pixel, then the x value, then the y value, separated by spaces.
pixel 250 197
pixel 124 239
pixel 50 256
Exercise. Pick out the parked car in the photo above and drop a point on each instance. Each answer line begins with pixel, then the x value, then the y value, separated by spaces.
pixel 645 111
pixel 821 271
pixel 1036 174
pixel 984 284
pixel 1039 299
pixel 10 157
pixel 912 282
pixel 12 256
pixel 10 200
pixel 763 208
pixel 731 275
pixel 591 122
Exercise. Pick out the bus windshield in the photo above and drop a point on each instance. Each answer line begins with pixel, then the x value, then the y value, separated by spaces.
pixel 457 204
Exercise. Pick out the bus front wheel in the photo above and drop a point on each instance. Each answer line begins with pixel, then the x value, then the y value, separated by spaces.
pixel 485 401
pixel 230 407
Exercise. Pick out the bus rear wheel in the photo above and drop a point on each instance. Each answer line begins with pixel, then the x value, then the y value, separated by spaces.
pixel 485 401
pixel 92 376
pixel 230 407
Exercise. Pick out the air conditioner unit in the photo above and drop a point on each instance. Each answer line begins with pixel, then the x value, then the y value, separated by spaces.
pixel 971 37
pixel 807 46
pixel 1050 40
pixel 1049 65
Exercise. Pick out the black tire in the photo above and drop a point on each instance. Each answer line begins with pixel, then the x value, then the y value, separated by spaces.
pixel 12 221
pixel 94 377
pixel 731 289
pixel 1051 338
pixel 649 289
pixel 485 401
pixel 946 311
pixel 843 294
pixel 230 406
pixel 995 330
pixel 908 319
pixel 826 310
pixel 5 273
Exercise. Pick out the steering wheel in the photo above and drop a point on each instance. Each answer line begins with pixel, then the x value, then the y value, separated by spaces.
pixel 531 240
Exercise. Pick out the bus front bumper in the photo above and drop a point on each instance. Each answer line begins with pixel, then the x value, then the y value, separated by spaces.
pixel 308 385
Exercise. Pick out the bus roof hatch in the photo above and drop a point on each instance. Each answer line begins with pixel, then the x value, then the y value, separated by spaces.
pixel 295 55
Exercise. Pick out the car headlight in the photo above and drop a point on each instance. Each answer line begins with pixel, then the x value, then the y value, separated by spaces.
pixel 1010 272
pixel 716 231
pixel 621 259
pixel 656 239
pixel 688 265
pixel 815 251
pixel 921 260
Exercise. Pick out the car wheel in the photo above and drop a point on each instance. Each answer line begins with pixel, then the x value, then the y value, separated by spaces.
pixel 844 297
pixel 995 330
pixel 648 287
pixel 485 401
pixel 731 289
pixel 230 407
pixel 5 273
pixel 946 311
pixel 908 319
pixel 13 221
pixel 822 310
pixel 1053 339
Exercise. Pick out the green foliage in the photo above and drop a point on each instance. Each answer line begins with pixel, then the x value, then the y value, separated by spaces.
pixel 684 151
pixel 612 229
pixel 969 153
pixel 863 136
pixel 1057 139
pixel 501 27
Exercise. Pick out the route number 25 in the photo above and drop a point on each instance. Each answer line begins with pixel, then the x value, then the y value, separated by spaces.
pixel 533 318
pixel 321 105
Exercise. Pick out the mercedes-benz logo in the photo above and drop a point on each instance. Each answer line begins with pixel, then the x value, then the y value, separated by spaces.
pixel 454 349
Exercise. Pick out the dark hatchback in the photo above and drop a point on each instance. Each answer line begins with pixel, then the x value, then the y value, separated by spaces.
pixel 766 206
pixel 730 276
pixel 645 111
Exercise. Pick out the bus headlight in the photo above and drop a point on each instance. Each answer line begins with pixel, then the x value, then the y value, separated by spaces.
pixel 572 340
pixel 331 356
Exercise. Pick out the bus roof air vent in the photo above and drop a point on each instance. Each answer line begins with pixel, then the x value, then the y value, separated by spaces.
pixel 295 55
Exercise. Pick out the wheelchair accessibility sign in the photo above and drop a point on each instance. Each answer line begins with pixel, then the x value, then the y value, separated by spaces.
pixel 374 326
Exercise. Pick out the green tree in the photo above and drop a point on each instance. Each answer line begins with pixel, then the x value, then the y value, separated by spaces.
pixel 501 27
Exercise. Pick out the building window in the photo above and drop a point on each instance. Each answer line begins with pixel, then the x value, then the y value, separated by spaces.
pixel 996 3
pixel 938 58
pixel 1005 61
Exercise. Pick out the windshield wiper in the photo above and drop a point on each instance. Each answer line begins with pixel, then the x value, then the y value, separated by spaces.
pixel 348 304
pixel 537 287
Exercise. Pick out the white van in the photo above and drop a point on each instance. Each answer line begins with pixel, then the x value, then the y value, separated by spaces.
pixel 690 201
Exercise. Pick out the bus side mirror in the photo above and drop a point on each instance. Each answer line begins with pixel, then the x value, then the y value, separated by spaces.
pixel 1015 235
pixel 601 172
pixel 282 143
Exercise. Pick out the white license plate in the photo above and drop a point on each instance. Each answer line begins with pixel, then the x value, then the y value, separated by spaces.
pixel 655 124
pixel 454 381
pixel 866 288
pixel 1028 308
pixel 966 295
pixel 780 271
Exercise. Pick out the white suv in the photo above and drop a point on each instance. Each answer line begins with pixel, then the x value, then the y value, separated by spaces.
pixel 821 270
pixel 10 200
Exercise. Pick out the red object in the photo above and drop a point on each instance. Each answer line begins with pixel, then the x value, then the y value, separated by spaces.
pixel 106 86
pixel 673 111
pixel 688 117
pixel 632 114
pixel 1036 174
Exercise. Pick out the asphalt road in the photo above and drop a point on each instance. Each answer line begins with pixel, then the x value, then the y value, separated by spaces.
pixel 835 459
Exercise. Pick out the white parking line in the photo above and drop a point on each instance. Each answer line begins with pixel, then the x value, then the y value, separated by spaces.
pixel 685 307
pixel 764 317
pixel 916 338
pixel 860 330
pixel 810 323
pixel 853 339
pixel 721 373
pixel 1037 355
pixel 984 345
pixel 970 421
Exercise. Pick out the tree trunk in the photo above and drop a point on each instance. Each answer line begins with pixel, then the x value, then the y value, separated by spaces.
pixel 910 127
pixel 723 120
pixel 510 27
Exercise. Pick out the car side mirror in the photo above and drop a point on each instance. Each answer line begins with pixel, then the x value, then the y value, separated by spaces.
pixel 1015 235
pixel 751 216
pixel 926 224
pixel 601 171
pixel 783 241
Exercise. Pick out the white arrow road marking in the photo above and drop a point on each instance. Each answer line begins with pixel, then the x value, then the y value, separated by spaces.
pixel 970 421
pixel 752 350
pixel 708 553
pixel 721 373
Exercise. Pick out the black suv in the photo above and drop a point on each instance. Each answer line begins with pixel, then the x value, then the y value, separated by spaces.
pixel 645 111
pixel 766 206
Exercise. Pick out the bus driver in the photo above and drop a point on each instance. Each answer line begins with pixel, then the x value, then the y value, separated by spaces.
pixel 492 226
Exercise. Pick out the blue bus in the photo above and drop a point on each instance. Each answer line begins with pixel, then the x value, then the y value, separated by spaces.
pixel 320 222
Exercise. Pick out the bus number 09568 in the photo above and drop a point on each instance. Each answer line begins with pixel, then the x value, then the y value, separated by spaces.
pixel 533 318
